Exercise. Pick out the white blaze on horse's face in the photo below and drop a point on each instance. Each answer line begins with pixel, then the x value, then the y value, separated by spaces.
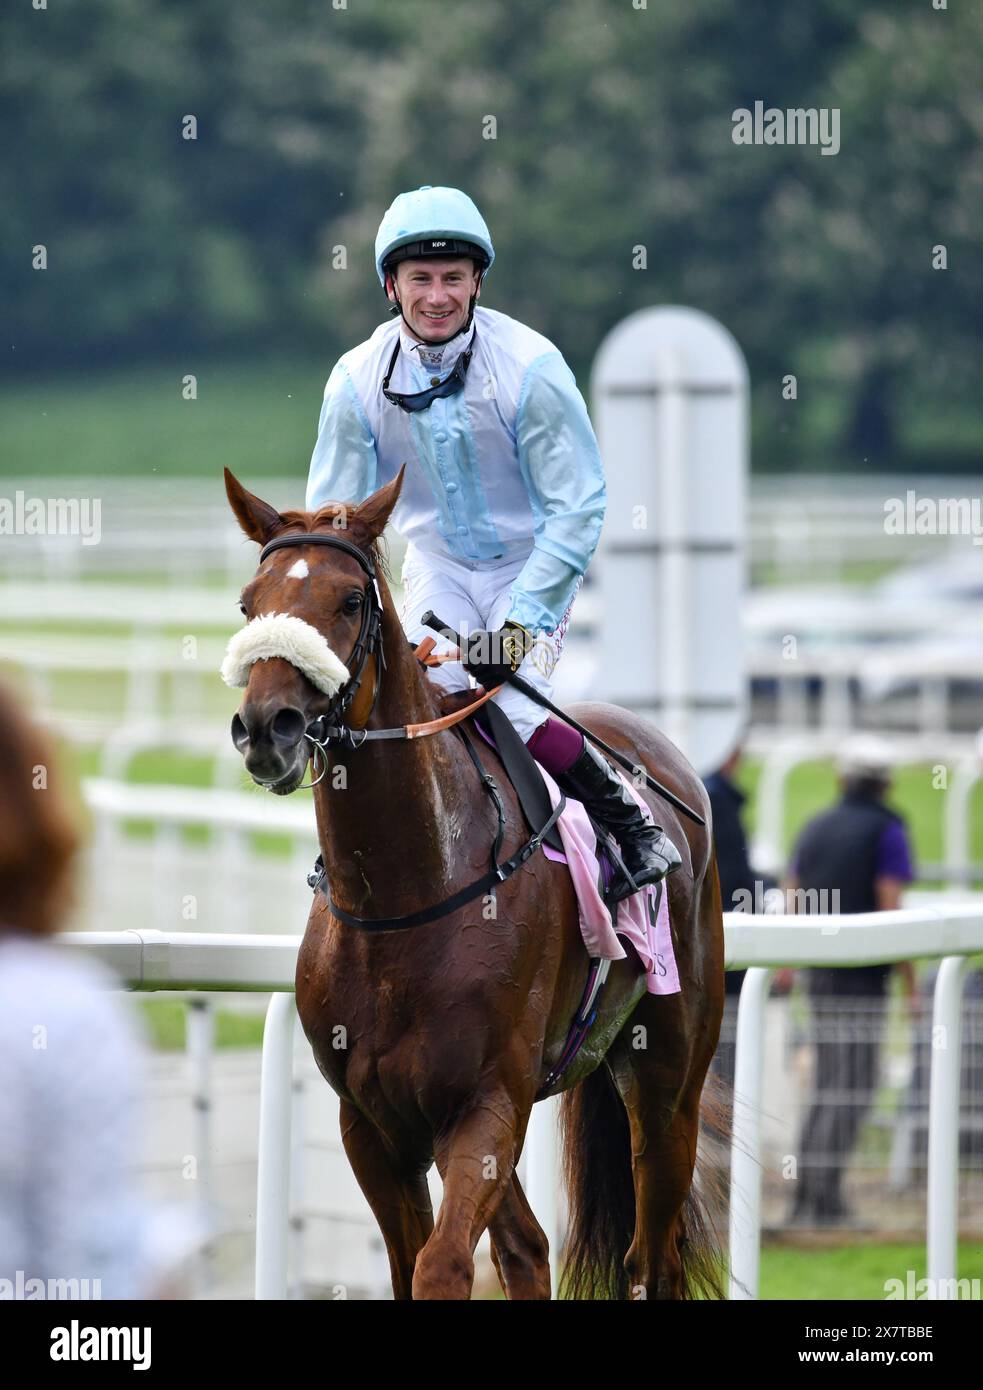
pixel 283 635
pixel 298 570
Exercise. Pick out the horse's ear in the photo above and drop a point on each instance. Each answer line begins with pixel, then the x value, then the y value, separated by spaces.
pixel 374 512
pixel 257 518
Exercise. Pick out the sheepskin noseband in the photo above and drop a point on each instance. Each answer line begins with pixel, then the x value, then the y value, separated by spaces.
pixel 281 634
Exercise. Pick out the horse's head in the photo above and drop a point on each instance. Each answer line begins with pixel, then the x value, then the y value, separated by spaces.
pixel 310 610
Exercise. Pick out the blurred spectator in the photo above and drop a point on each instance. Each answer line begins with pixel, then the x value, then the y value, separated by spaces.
pixel 741 890
pixel 69 1209
pixel 854 857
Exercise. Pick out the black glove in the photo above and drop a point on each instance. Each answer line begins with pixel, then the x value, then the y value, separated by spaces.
pixel 492 657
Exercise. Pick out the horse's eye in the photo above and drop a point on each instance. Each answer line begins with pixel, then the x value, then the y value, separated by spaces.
pixel 242 609
pixel 352 604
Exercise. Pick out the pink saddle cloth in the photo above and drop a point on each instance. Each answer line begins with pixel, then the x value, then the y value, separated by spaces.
pixel 643 919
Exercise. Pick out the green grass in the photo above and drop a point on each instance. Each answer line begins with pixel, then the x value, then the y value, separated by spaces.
pixel 811 787
pixel 260 419
pixel 856 1271
pixel 851 1271
pixel 165 1021
pixel 860 572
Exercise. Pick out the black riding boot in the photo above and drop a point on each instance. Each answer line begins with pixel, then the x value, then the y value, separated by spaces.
pixel 647 851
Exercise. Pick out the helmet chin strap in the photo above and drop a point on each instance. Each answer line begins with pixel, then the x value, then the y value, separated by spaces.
pixel 397 308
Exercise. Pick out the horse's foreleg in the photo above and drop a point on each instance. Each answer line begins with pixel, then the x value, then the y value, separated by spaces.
pixel 475 1157
pixel 519 1248
pixel 400 1202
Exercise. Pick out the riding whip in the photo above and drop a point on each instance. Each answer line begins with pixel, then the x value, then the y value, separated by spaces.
pixel 431 620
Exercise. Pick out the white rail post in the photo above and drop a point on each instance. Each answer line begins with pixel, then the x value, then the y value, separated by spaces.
pixel 298 1224
pixel 670 391
pixel 958 815
pixel 273 1169
pixel 745 1156
pixel 542 1178
pixel 200 1046
pixel 779 763
pixel 943 1124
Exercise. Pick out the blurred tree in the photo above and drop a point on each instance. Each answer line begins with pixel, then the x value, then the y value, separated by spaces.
pixel 598 139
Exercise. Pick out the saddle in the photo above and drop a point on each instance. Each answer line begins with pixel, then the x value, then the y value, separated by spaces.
pixel 526 777
pixel 522 769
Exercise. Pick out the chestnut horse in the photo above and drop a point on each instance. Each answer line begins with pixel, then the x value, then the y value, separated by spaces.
pixel 438 1038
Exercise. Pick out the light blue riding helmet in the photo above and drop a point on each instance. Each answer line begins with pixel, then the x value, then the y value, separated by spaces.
pixel 432 222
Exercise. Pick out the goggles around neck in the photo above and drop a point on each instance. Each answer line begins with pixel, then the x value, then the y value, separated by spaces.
pixel 422 400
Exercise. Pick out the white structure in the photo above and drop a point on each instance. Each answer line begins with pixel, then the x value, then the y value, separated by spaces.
pixel 670 391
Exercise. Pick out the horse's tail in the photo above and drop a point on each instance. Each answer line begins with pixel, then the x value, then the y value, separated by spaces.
pixel 601 1195
pixel 703 1249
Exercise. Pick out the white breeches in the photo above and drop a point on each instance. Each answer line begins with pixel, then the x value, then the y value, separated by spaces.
pixel 477 599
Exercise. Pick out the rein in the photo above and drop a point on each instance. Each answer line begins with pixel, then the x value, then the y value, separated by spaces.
pixel 347 737
pixel 340 734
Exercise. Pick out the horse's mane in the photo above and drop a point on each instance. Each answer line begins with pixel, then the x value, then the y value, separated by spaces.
pixel 324 519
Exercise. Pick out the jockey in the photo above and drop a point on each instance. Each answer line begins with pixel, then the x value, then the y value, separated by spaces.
pixel 503 498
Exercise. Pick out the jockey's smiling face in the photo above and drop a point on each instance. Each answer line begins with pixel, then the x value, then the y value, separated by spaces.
pixel 435 295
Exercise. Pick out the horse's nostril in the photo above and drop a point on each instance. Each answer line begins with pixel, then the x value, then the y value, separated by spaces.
pixel 240 735
pixel 288 727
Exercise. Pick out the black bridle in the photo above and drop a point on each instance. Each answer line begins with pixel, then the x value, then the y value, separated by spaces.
pixel 330 728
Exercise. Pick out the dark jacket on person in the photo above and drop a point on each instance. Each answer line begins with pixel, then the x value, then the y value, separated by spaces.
pixel 838 857
pixel 730 843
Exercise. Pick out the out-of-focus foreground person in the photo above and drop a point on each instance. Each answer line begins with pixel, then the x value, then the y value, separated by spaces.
pixel 70 1213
